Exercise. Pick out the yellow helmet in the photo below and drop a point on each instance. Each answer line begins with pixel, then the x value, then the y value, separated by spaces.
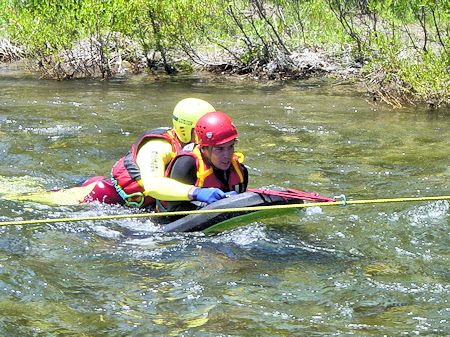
pixel 186 113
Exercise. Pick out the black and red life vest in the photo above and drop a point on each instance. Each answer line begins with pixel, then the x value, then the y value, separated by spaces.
pixel 126 175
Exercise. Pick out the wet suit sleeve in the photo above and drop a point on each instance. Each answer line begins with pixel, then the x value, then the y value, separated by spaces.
pixel 152 159
pixel 184 170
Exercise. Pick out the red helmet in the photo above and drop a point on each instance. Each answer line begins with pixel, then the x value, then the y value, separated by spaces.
pixel 215 128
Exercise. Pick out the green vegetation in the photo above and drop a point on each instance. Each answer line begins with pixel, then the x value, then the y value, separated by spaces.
pixel 400 47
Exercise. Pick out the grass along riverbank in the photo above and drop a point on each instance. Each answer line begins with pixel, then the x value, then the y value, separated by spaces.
pixel 399 49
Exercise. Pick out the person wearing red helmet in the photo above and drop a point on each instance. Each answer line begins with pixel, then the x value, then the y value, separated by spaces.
pixel 212 166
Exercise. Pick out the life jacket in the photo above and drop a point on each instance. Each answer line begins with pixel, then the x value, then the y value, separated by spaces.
pixel 206 177
pixel 126 175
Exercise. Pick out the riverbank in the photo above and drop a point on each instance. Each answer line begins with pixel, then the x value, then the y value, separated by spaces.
pixel 301 65
pixel 399 53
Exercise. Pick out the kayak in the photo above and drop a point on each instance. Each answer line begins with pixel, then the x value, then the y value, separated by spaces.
pixel 220 221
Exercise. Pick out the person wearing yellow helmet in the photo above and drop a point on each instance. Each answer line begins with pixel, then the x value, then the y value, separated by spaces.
pixel 185 114
pixel 137 179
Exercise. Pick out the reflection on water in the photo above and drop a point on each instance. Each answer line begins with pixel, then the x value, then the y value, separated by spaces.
pixel 362 270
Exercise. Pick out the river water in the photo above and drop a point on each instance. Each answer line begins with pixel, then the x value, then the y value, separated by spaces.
pixel 364 270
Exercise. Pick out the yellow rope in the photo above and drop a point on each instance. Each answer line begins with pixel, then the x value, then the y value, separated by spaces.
pixel 222 210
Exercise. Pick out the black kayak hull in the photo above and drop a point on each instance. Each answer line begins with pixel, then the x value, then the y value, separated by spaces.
pixel 205 221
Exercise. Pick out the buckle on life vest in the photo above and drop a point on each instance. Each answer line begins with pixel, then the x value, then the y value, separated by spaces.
pixel 239 157
pixel 134 199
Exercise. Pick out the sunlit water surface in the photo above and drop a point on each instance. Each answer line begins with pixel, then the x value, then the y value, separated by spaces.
pixel 363 270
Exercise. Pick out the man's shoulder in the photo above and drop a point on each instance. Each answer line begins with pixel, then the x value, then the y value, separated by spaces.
pixel 183 168
pixel 160 145
pixel 184 158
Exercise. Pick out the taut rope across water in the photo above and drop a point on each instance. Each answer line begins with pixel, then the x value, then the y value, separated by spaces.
pixel 342 202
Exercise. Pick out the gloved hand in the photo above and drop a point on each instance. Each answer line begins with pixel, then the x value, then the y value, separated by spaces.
pixel 208 195
pixel 230 194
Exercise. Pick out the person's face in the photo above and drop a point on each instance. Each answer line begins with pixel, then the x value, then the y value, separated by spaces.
pixel 220 156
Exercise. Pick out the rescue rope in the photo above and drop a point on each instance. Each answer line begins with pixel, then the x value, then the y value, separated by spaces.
pixel 342 202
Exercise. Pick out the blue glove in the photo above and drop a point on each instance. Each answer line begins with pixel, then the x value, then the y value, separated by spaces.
pixel 208 195
pixel 230 194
